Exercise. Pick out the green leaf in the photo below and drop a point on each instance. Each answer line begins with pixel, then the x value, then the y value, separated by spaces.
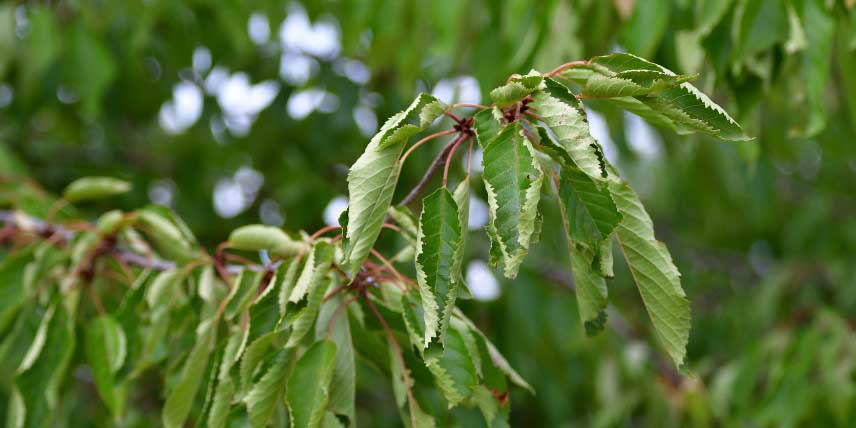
pixel 438 247
pixel 564 116
pixel 589 217
pixel 264 394
pixel 258 237
pixel 588 209
pixel 307 316
pixel 309 384
pixel 496 358
pixel 516 89
pixel 90 188
pixel 686 106
pixel 245 287
pixel 317 264
pixel 820 23
pixel 512 178
pixel 106 349
pixel 646 27
pixel 225 389
pixel 487 125
pixel 34 394
pixel 416 118
pixel 404 217
pixel 454 366
pixel 343 384
pixel 461 195
pixel 605 83
pixel 371 185
pixel 169 237
pixel 655 275
pixel 759 25
pixel 287 273
pixel 180 400
pixel 160 290
pixel 13 293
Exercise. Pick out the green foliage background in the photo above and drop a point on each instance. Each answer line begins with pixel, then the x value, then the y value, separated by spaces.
pixel 763 232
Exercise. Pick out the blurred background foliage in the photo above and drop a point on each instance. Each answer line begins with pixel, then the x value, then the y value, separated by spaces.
pixel 234 112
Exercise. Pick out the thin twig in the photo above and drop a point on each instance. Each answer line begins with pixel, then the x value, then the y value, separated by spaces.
pixel 458 142
pixel 339 309
pixel 426 178
pixel 566 66
pixel 454 117
pixel 423 141
pixel 478 106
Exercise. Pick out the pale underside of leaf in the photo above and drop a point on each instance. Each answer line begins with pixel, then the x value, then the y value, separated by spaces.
pixel 563 114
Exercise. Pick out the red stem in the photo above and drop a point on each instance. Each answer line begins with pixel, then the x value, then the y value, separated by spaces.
pixel 460 140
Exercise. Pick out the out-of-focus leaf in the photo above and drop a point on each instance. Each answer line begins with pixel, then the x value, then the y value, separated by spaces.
pixel 180 400
pixel 309 384
pixel 258 237
pixel 643 33
pixel 106 349
pixel 89 188
pixel 34 396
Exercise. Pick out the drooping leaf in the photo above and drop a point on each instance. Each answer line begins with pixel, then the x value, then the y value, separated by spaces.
pixel 454 366
pixel 307 316
pixel 260 237
pixel 106 349
pixel 371 185
pixel 309 384
pixel 512 178
pixel 343 384
pixel 438 247
pixel 89 188
pixel 315 269
pixel 654 272
pixel 12 290
pixel 224 391
pixel 34 395
pixel 418 116
pixel 180 400
pixel 167 235
pixel 461 195
pixel 496 358
pixel 244 288
pixel 264 394
pixel 816 17
pixel 287 274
